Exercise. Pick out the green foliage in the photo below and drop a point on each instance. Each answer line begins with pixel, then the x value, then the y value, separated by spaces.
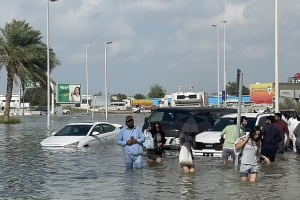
pixel 36 96
pixel 12 120
pixel 119 96
pixel 231 89
pixel 156 91
pixel 139 96
pixel 24 56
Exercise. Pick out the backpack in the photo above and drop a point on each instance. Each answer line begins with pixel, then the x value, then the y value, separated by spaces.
pixel 149 142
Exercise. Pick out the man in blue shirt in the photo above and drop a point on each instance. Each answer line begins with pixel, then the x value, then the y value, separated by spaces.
pixel 130 138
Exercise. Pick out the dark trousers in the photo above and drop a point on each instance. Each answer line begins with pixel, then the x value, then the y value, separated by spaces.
pixel 269 151
pixel 281 147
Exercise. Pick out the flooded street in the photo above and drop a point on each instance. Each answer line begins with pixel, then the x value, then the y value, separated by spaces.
pixel 29 171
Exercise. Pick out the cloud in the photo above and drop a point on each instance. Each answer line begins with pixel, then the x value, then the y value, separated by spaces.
pixel 169 42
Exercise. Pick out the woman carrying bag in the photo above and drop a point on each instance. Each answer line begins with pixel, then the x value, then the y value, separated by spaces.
pixel 187 140
pixel 155 154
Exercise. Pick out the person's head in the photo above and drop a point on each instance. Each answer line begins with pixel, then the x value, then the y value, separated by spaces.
pixel 129 121
pixel 156 127
pixel 77 90
pixel 295 115
pixel 277 117
pixel 244 121
pixel 270 119
pixel 255 133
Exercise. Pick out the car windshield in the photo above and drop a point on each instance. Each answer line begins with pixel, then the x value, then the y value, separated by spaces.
pixel 221 123
pixel 74 130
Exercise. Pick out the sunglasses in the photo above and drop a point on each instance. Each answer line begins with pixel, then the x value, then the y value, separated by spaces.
pixel 130 121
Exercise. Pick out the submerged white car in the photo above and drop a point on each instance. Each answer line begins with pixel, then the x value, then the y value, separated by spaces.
pixel 208 142
pixel 85 134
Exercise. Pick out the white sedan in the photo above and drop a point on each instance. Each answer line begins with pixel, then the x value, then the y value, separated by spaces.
pixel 85 134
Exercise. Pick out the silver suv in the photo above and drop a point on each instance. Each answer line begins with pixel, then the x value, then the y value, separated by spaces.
pixel 208 142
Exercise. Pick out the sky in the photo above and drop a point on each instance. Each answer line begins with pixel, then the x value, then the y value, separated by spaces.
pixel 171 43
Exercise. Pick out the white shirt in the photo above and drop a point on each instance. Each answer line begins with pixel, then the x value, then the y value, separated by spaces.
pixel 292 123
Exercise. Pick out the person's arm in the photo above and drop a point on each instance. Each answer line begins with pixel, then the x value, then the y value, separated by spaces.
pixel 181 139
pixel 241 143
pixel 141 140
pixel 120 139
pixel 223 132
pixel 286 130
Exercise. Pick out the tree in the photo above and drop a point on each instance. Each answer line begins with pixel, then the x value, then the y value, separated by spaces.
pixel 156 91
pixel 36 96
pixel 139 96
pixel 119 96
pixel 231 89
pixel 98 94
pixel 24 57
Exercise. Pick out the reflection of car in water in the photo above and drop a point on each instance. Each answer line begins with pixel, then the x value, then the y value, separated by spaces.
pixel 208 142
pixel 167 116
pixel 89 134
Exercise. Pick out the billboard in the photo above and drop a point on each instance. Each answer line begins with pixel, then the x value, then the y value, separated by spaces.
pixel 262 93
pixel 68 93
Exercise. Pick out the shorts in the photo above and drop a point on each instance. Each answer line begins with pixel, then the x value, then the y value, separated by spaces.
pixel 228 152
pixel 245 170
pixel 152 154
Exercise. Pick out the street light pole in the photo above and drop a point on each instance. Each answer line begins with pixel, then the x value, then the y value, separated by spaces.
pixel 225 64
pixel 105 72
pixel 48 68
pixel 48 65
pixel 87 78
pixel 218 71
pixel 276 59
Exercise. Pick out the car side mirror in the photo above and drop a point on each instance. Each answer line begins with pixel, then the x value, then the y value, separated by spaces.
pixel 146 119
pixel 95 133
pixel 53 133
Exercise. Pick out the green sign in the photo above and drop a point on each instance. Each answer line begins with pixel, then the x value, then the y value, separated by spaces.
pixel 68 93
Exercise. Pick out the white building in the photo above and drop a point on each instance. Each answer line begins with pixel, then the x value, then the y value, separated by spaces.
pixel 15 101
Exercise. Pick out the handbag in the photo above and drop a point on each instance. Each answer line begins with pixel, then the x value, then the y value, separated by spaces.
pixel 185 156
pixel 149 142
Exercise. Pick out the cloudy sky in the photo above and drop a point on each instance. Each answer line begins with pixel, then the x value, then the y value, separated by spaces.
pixel 168 42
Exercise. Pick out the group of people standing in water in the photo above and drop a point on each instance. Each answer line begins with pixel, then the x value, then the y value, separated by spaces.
pixel 131 139
pixel 260 144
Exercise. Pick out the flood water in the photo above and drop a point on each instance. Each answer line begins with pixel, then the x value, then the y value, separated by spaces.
pixel 29 171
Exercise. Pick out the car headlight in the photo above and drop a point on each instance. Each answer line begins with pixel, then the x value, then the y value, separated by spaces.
pixel 75 144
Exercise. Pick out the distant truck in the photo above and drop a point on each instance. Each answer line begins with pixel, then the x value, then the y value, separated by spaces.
pixel 194 99
pixel 140 102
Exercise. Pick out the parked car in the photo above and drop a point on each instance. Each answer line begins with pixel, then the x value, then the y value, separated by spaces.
pixel 208 142
pixel 85 134
pixel 168 115
pixel 43 112
pixel 66 112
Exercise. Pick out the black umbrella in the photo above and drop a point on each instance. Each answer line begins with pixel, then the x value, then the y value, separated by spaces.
pixel 193 123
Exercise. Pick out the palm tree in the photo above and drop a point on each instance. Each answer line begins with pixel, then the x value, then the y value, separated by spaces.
pixel 23 55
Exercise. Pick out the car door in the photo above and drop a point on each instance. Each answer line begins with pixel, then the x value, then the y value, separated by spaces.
pixel 109 133
pixel 97 140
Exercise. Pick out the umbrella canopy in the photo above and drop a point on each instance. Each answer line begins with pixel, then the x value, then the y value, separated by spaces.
pixel 193 123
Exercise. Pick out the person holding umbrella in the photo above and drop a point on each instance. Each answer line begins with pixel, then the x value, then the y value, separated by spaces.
pixel 187 141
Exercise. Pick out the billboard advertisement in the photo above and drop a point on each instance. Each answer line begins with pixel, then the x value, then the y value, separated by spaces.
pixel 262 93
pixel 68 93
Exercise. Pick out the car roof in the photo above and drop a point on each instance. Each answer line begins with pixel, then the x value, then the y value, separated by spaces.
pixel 250 115
pixel 189 109
pixel 87 123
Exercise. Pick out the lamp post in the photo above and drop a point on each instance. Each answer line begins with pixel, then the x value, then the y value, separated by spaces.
pixel 225 64
pixel 218 55
pixel 48 65
pixel 105 72
pixel 276 59
pixel 87 78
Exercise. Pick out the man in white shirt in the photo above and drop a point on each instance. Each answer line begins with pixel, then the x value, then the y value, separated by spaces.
pixel 292 123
